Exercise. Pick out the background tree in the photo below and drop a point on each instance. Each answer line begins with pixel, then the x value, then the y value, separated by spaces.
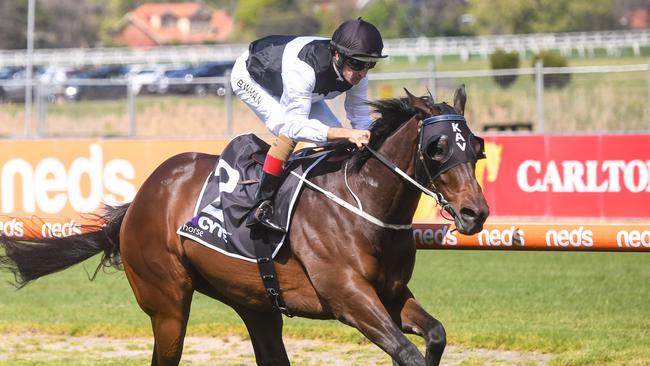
pixel 57 23
pixel 388 16
pixel 434 18
pixel 532 16
pixel 13 25
pixel 247 14
pixel 332 15
pixel 71 23
pixel 293 17
pixel 90 23
pixel 429 18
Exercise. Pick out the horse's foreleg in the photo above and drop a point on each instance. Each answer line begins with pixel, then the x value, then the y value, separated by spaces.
pixel 265 330
pixel 416 320
pixel 358 305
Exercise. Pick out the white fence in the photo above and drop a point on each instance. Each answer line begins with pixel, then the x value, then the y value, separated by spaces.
pixel 584 43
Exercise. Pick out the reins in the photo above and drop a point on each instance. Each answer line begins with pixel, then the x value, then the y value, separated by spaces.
pixel 437 196
pixel 358 210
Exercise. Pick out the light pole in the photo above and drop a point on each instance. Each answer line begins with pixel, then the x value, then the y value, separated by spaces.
pixel 29 68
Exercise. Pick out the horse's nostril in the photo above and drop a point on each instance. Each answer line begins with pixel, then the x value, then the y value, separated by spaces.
pixel 469 213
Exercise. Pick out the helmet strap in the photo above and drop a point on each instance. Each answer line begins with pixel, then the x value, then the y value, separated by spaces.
pixel 338 61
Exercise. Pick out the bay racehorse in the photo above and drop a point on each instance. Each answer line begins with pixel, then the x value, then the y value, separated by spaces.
pixel 339 265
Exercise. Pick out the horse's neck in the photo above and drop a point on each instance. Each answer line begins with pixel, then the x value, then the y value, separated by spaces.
pixel 392 196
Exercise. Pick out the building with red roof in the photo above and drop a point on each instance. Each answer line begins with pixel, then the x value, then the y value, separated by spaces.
pixel 157 24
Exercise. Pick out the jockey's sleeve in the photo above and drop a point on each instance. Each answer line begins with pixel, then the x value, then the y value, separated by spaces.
pixel 356 108
pixel 298 81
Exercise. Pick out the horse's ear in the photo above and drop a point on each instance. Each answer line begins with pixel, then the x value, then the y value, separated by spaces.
pixel 419 105
pixel 459 99
pixel 430 95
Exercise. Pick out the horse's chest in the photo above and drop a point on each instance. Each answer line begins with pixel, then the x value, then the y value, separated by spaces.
pixel 393 275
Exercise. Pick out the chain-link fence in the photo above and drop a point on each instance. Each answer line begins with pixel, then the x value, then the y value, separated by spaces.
pixel 567 100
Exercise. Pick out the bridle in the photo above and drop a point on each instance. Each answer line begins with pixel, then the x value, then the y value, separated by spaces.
pixel 423 175
pixel 419 182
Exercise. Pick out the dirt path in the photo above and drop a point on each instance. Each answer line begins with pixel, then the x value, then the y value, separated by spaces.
pixel 231 350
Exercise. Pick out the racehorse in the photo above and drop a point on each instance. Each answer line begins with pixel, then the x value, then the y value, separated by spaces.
pixel 339 265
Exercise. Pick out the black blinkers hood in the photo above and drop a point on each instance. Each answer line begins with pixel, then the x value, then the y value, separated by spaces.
pixel 461 146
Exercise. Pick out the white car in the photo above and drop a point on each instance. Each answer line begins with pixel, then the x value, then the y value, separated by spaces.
pixel 48 84
pixel 146 79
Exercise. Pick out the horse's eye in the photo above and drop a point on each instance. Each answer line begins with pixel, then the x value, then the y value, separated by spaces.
pixel 437 148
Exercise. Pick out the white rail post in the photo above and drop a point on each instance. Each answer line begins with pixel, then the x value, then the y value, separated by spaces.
pixel 39 107
pixel 29 67
pixel 227 101
pixel 539 83
pixel 130 103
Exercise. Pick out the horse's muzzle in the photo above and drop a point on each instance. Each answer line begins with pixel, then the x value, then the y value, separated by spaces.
pixel 470 218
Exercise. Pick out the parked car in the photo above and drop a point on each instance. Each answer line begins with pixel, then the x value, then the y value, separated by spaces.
pixel 188 81
pixel 49 85
pixel 162 85
pixel 108 82
pixel 146 79
pixel 7 79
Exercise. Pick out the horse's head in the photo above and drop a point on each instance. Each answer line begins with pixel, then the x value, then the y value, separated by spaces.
pixel 446 160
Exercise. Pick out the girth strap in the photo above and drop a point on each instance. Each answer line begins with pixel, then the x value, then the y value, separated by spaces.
pixel 269 276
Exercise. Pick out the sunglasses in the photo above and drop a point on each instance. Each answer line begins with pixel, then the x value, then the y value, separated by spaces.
pixel 358 65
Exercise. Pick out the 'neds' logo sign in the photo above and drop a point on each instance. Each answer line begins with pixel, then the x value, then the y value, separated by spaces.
pixel 49 185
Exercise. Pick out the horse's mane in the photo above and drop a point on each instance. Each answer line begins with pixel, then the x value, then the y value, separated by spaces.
pixel 393 113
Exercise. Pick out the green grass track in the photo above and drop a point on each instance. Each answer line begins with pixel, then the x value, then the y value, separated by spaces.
pixel 584 308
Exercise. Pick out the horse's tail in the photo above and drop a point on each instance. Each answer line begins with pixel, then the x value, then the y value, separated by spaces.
pixel 33 257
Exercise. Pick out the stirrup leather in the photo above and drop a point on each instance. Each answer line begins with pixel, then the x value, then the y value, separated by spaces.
pixel 263 214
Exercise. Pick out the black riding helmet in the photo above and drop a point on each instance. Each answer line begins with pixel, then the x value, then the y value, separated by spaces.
pixel 359 40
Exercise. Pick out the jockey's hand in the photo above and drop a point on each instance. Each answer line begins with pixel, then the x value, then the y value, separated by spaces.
pixel 357 137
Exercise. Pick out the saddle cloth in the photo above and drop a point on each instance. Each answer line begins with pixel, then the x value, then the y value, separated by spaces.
pixel 228 195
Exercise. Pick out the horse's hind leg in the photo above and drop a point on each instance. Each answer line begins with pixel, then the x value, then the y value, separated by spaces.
pixel 415 320
pixel 265 330
pixel 166 298
pixel 169 324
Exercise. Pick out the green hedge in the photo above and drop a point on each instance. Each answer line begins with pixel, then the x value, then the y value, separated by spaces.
pixel 553 59
pixel 501 59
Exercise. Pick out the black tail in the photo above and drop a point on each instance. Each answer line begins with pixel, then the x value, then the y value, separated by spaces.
pixel 31 258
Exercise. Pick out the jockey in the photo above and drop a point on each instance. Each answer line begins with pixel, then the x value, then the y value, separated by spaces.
pixel 285 81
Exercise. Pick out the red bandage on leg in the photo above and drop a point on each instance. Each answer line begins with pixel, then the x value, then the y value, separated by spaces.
pixel 273 165
pixel 279 152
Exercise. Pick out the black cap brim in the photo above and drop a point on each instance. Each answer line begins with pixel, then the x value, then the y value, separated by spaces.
pixel 367 58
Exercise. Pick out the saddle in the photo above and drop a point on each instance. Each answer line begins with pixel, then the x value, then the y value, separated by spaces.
pixel 228 195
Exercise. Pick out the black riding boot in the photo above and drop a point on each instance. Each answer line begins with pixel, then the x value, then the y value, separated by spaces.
pixel 262 214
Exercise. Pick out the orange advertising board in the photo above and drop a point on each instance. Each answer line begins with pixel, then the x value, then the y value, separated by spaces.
pixel 49 187
pixel 64 178
pixel 534 236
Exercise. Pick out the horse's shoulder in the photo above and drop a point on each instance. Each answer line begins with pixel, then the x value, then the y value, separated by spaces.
pixel 187 160
pixel 190 157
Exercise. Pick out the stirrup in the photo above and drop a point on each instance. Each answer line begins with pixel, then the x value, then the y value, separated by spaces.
pixel 263 215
